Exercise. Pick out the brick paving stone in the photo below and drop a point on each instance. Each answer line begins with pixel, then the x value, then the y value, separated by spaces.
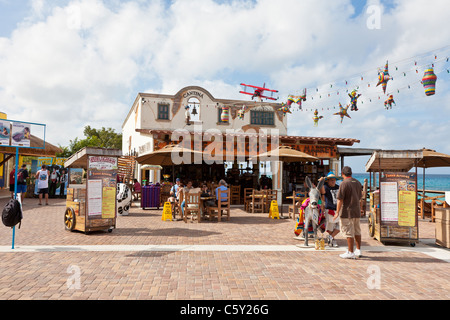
pixel 205 275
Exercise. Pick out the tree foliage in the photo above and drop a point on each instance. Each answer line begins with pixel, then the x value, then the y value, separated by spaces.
pixel 103 138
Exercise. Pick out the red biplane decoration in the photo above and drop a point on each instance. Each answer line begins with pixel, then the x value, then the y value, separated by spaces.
pixel 259 92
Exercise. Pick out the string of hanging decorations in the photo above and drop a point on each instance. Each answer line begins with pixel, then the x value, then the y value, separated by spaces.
pixel 361 91
pixel 378 85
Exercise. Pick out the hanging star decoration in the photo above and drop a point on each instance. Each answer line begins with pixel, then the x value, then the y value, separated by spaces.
pixel 354 100
pixel 285 109
pixel 384 77
pixel 388 103
pixel 343 112
pixel 296 99
pixel 316 118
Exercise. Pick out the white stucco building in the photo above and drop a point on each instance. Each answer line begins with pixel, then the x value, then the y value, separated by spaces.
pixel 153 118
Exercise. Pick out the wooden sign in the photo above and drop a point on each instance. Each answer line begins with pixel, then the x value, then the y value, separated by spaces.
pixel 273 212
pixel 167 212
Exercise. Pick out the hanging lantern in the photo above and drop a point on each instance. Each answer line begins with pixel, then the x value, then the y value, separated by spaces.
pixel 225 115
pixel 429 82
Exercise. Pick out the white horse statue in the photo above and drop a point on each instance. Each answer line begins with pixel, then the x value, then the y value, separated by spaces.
pixel 311 212
pixel 123 199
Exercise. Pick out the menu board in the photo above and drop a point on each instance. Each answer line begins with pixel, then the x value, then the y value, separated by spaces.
pixel 389 201
pixel 101 187
pixel 94 197
pixel 398 199
pixel 406 208
pixel 108 203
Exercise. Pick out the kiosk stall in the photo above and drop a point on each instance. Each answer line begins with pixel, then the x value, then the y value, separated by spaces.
pixel 91 193
pixel 394 216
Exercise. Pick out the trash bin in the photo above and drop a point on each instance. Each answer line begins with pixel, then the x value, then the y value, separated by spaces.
pixel 150 196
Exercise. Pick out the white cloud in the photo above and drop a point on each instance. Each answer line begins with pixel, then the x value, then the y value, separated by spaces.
pixel 83 62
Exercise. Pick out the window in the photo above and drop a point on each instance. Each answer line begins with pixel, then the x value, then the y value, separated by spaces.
pixel 163 111
pixel 265 118
pixel 219 115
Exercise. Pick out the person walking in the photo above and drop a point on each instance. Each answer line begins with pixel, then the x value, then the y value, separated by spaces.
pixel 42 178
pixel 22 176
pixel 349 212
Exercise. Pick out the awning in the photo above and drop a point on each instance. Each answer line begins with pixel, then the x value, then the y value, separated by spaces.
pixel 79 159
pixel 393 160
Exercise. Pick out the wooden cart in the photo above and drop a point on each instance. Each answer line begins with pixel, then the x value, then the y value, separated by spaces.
pixel 394 216
pixel 91 193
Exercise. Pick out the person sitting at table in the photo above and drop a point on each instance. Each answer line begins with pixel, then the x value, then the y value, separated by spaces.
pixel 207 193
pixel 174 195
pixel 136 189
pixel 187 189
pixel 222 187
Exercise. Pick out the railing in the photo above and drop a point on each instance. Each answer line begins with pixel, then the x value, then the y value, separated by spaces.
pixel 429 201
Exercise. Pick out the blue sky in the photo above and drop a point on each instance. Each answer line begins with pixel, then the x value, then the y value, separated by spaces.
pixel 81 62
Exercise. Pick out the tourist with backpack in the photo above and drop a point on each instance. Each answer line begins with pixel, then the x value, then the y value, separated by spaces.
pixel 42 178
pixel 22 176
pixel 12 180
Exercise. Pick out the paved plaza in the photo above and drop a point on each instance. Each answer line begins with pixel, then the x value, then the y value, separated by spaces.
pixel 250 257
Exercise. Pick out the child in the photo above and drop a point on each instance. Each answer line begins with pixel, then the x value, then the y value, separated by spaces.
pixel 329 191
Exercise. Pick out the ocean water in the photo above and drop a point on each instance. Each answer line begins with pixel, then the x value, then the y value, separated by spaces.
pixel 435 182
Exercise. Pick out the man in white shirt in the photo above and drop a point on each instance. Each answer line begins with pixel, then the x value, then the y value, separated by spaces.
pixel 42 178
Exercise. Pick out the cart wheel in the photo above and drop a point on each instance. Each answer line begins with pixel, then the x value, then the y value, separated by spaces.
pixel 69 219
pixel 371 223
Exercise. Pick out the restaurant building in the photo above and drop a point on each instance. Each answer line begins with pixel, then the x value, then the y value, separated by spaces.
pixel 156 120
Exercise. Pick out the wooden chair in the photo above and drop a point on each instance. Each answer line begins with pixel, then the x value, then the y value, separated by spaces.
pixel 221 206
pixel 235 194
pixel 294 208
pixel 257 201
pixel 247 198
pixel 192 206
pixel 177 205
pixel 271 195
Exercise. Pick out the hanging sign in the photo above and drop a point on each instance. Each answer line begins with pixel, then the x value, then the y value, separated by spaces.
pixel 5 133
pixel 20 134
pixel 103 163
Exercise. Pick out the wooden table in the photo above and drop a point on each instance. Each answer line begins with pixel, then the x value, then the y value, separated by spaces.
pixel 202 199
